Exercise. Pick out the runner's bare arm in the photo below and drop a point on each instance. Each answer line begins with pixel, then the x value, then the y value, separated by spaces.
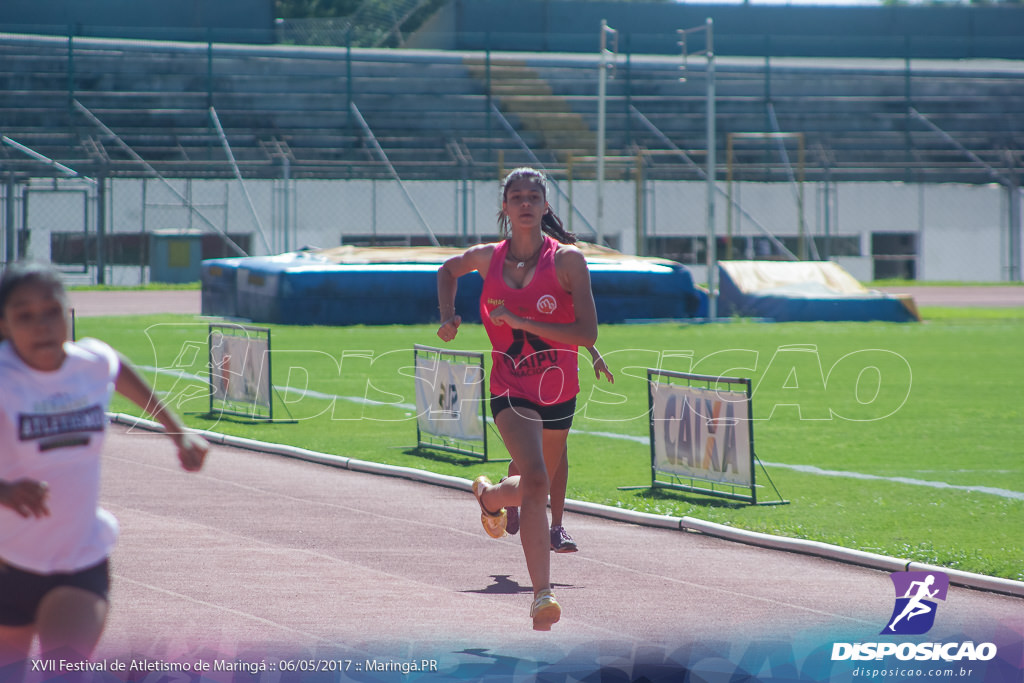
pixel 476 258
pixel 600 366
pixel 192 448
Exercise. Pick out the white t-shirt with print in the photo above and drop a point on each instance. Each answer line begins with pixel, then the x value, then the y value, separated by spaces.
pixel 52 427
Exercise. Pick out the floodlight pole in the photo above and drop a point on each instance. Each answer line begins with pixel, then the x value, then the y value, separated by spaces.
pixel 9 235
pixel 1016 255
pixel 602 91
pixel 709 175
pixel 712 256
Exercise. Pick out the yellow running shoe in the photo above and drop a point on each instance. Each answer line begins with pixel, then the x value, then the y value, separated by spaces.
pixel 545 610
pixel 494 522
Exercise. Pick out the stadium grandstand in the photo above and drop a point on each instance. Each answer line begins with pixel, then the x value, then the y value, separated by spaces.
pixel 442 114
pixel 456 102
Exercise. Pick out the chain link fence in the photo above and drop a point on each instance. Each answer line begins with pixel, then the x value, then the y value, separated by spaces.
pixel 875 230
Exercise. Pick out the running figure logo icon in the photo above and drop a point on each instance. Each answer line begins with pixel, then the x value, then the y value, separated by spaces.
pixel 916 592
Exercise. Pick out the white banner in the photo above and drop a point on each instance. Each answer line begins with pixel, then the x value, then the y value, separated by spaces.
pixel 701 433
pixel 448 398
pixel 240 369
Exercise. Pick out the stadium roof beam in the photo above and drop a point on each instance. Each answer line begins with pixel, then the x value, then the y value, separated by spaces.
pixel 134 155
pixel 70 172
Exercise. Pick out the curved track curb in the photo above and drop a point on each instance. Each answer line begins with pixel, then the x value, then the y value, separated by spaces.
pixel 824 550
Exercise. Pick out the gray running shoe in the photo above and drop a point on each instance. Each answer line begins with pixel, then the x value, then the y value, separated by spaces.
pixel 561 541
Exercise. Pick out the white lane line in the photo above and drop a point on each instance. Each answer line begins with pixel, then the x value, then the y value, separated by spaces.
pixel 811 469
pixel 222 608
pixel 806 469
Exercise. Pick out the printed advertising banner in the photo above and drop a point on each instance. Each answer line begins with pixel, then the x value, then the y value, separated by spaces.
pixel 701 433
pixel 240 367
pixel 448 396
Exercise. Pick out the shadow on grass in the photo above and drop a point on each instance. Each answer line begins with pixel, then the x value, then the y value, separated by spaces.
pixel 688 498
pixel 215 418
pixel 445 457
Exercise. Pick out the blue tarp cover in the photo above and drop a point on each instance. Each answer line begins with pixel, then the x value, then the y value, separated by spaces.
pixel 804 291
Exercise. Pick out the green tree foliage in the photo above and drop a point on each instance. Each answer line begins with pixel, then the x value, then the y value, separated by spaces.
pixel 316 9
pixel 311 9
pixel 361 23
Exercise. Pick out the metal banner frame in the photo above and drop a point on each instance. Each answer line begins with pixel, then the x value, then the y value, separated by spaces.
pixel 448 443
pixel 705 485
pixel 220 375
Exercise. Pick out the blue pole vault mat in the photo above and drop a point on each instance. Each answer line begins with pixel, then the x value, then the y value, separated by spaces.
pixel 398 285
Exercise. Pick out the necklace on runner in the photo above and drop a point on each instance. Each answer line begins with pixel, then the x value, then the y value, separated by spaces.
pixel 521 263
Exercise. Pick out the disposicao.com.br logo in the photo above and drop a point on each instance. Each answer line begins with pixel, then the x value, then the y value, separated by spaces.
pixel 916 592
pixel 914 614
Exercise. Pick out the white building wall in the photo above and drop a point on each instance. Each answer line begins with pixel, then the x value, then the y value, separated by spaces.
pixel 961 230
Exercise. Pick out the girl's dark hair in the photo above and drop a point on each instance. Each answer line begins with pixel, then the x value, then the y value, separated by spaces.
pixel 549 222
pixel 23 273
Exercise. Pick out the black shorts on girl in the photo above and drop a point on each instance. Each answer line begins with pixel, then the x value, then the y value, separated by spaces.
pixel 554 416
pixel 21 592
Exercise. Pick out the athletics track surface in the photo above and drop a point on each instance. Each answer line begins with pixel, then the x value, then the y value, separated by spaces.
pixel 270 561
pixel 262 557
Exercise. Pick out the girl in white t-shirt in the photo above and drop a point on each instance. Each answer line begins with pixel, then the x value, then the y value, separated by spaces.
pixel 55 539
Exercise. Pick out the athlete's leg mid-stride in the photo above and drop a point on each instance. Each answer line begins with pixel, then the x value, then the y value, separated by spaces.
pixel 535 451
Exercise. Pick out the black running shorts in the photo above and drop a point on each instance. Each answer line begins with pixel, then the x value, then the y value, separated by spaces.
pixel 21 592
pixel 554 416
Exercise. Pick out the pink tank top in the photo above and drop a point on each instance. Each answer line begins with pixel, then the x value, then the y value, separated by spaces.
pixel 524 365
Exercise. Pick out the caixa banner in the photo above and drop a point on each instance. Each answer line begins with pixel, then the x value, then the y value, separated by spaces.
pixel 702 435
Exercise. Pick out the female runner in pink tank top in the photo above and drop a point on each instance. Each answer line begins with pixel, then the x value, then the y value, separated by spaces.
pixel 537 308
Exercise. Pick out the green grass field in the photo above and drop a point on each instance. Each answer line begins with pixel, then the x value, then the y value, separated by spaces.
pixel 919 408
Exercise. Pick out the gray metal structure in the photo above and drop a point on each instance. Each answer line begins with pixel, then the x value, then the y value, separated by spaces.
pixel 903 120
